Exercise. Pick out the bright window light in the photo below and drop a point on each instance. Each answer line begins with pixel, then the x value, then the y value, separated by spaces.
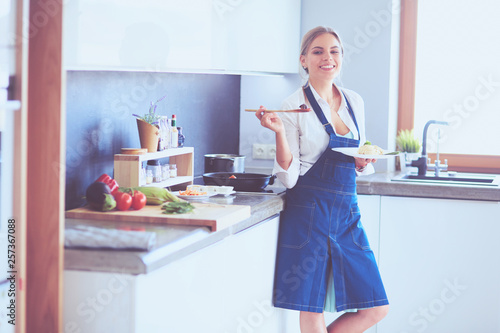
pixel 458 75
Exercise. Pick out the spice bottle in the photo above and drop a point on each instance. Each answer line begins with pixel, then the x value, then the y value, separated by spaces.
pixel 174 133
pixel 181 137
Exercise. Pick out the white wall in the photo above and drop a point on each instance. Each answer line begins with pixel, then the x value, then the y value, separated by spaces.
pixel 370 33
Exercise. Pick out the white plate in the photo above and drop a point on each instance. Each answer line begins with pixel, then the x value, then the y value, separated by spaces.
pixel 353 151
pixel 209 194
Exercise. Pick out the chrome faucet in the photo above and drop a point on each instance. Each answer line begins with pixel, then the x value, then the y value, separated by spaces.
pixel 421 162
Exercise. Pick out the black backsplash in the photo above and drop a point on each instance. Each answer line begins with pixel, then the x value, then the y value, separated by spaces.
pixel 99 121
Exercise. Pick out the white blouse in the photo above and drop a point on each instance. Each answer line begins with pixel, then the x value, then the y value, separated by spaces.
pixel 307 137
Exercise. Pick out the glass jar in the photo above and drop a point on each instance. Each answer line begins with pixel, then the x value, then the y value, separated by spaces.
pixel 142 178
pixel 155 167
pixel 149 176
pixel 165 172
pixel 173 170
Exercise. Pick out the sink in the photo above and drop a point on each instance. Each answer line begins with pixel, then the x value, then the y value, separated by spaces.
pixel 451 178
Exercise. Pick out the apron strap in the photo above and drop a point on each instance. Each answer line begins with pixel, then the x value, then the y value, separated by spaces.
pixel 352 114
pixel 321 116
pixel 317 109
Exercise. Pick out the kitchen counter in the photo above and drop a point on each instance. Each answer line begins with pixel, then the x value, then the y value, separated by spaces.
pixel 173 242
pixel 381 184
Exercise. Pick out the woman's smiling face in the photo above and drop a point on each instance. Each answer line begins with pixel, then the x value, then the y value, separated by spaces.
pixel 323 58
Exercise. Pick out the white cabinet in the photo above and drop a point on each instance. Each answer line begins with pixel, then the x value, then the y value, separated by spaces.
pixel 188 35
pixel 226 287
pixel 440 263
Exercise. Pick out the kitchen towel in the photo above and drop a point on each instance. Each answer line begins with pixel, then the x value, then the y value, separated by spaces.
pixel 93 237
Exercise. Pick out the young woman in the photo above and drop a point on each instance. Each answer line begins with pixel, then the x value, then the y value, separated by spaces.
pixel 324 262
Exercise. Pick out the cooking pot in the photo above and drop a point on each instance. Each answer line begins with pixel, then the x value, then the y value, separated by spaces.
pixel 224 163
pixel 247 182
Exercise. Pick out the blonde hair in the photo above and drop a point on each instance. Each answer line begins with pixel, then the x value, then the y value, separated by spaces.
pixel 312 34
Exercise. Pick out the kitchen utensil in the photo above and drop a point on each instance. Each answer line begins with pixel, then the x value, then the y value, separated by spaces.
pixel 243 182
pixel 293 110
pixel 224 163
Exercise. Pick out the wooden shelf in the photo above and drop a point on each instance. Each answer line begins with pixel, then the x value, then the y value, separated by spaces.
pixel 172 182
pixel 128 167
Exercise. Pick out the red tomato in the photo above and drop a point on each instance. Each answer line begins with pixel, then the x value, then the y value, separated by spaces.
pixel 123 200
pixel 138 200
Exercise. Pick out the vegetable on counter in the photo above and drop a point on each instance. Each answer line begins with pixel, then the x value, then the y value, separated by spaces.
pixel 177 207
pixel 154 195
pixel 106 179
pixel 123 200
pixel 99 197
pixel 138 200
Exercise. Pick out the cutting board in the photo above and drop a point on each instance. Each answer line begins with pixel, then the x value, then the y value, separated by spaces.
pixel 214 216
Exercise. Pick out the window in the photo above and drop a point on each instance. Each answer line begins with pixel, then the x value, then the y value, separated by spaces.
pixel 450 70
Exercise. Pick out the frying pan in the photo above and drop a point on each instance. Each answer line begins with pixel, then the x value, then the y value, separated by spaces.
pixel 248 182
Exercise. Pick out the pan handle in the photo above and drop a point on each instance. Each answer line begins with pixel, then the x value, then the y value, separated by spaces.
pixel 271 180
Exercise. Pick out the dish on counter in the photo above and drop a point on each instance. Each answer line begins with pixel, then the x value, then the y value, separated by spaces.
pixel 212 190
pixel 354 152
pixel 187 196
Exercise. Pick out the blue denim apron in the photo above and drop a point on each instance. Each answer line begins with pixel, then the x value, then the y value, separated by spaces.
pixel 321 231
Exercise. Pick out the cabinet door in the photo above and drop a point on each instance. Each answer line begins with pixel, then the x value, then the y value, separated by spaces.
pixel 187 295
pixel 441 265
pixel 257 35
pixel 188 35
pixel 226 287
pixel 148 35
pixel 250 263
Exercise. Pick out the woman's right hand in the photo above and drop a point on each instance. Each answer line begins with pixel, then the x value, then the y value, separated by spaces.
pixel 270 120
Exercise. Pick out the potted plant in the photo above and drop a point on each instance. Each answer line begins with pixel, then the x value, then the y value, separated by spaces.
pixel 409 145
pixel 149 132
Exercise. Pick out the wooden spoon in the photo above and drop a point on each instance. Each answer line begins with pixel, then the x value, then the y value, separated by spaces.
pixel 293 110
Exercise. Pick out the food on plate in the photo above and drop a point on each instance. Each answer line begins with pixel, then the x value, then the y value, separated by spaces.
pixel 191 191
pixel 176 207
pixel 369 149
pixel 232 177
pixel 99 197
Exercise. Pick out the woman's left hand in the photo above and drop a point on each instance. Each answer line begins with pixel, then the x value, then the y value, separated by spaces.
pixel 361 163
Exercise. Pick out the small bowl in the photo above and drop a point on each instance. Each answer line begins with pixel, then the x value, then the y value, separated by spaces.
pixel 208 189
pixel 225 189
